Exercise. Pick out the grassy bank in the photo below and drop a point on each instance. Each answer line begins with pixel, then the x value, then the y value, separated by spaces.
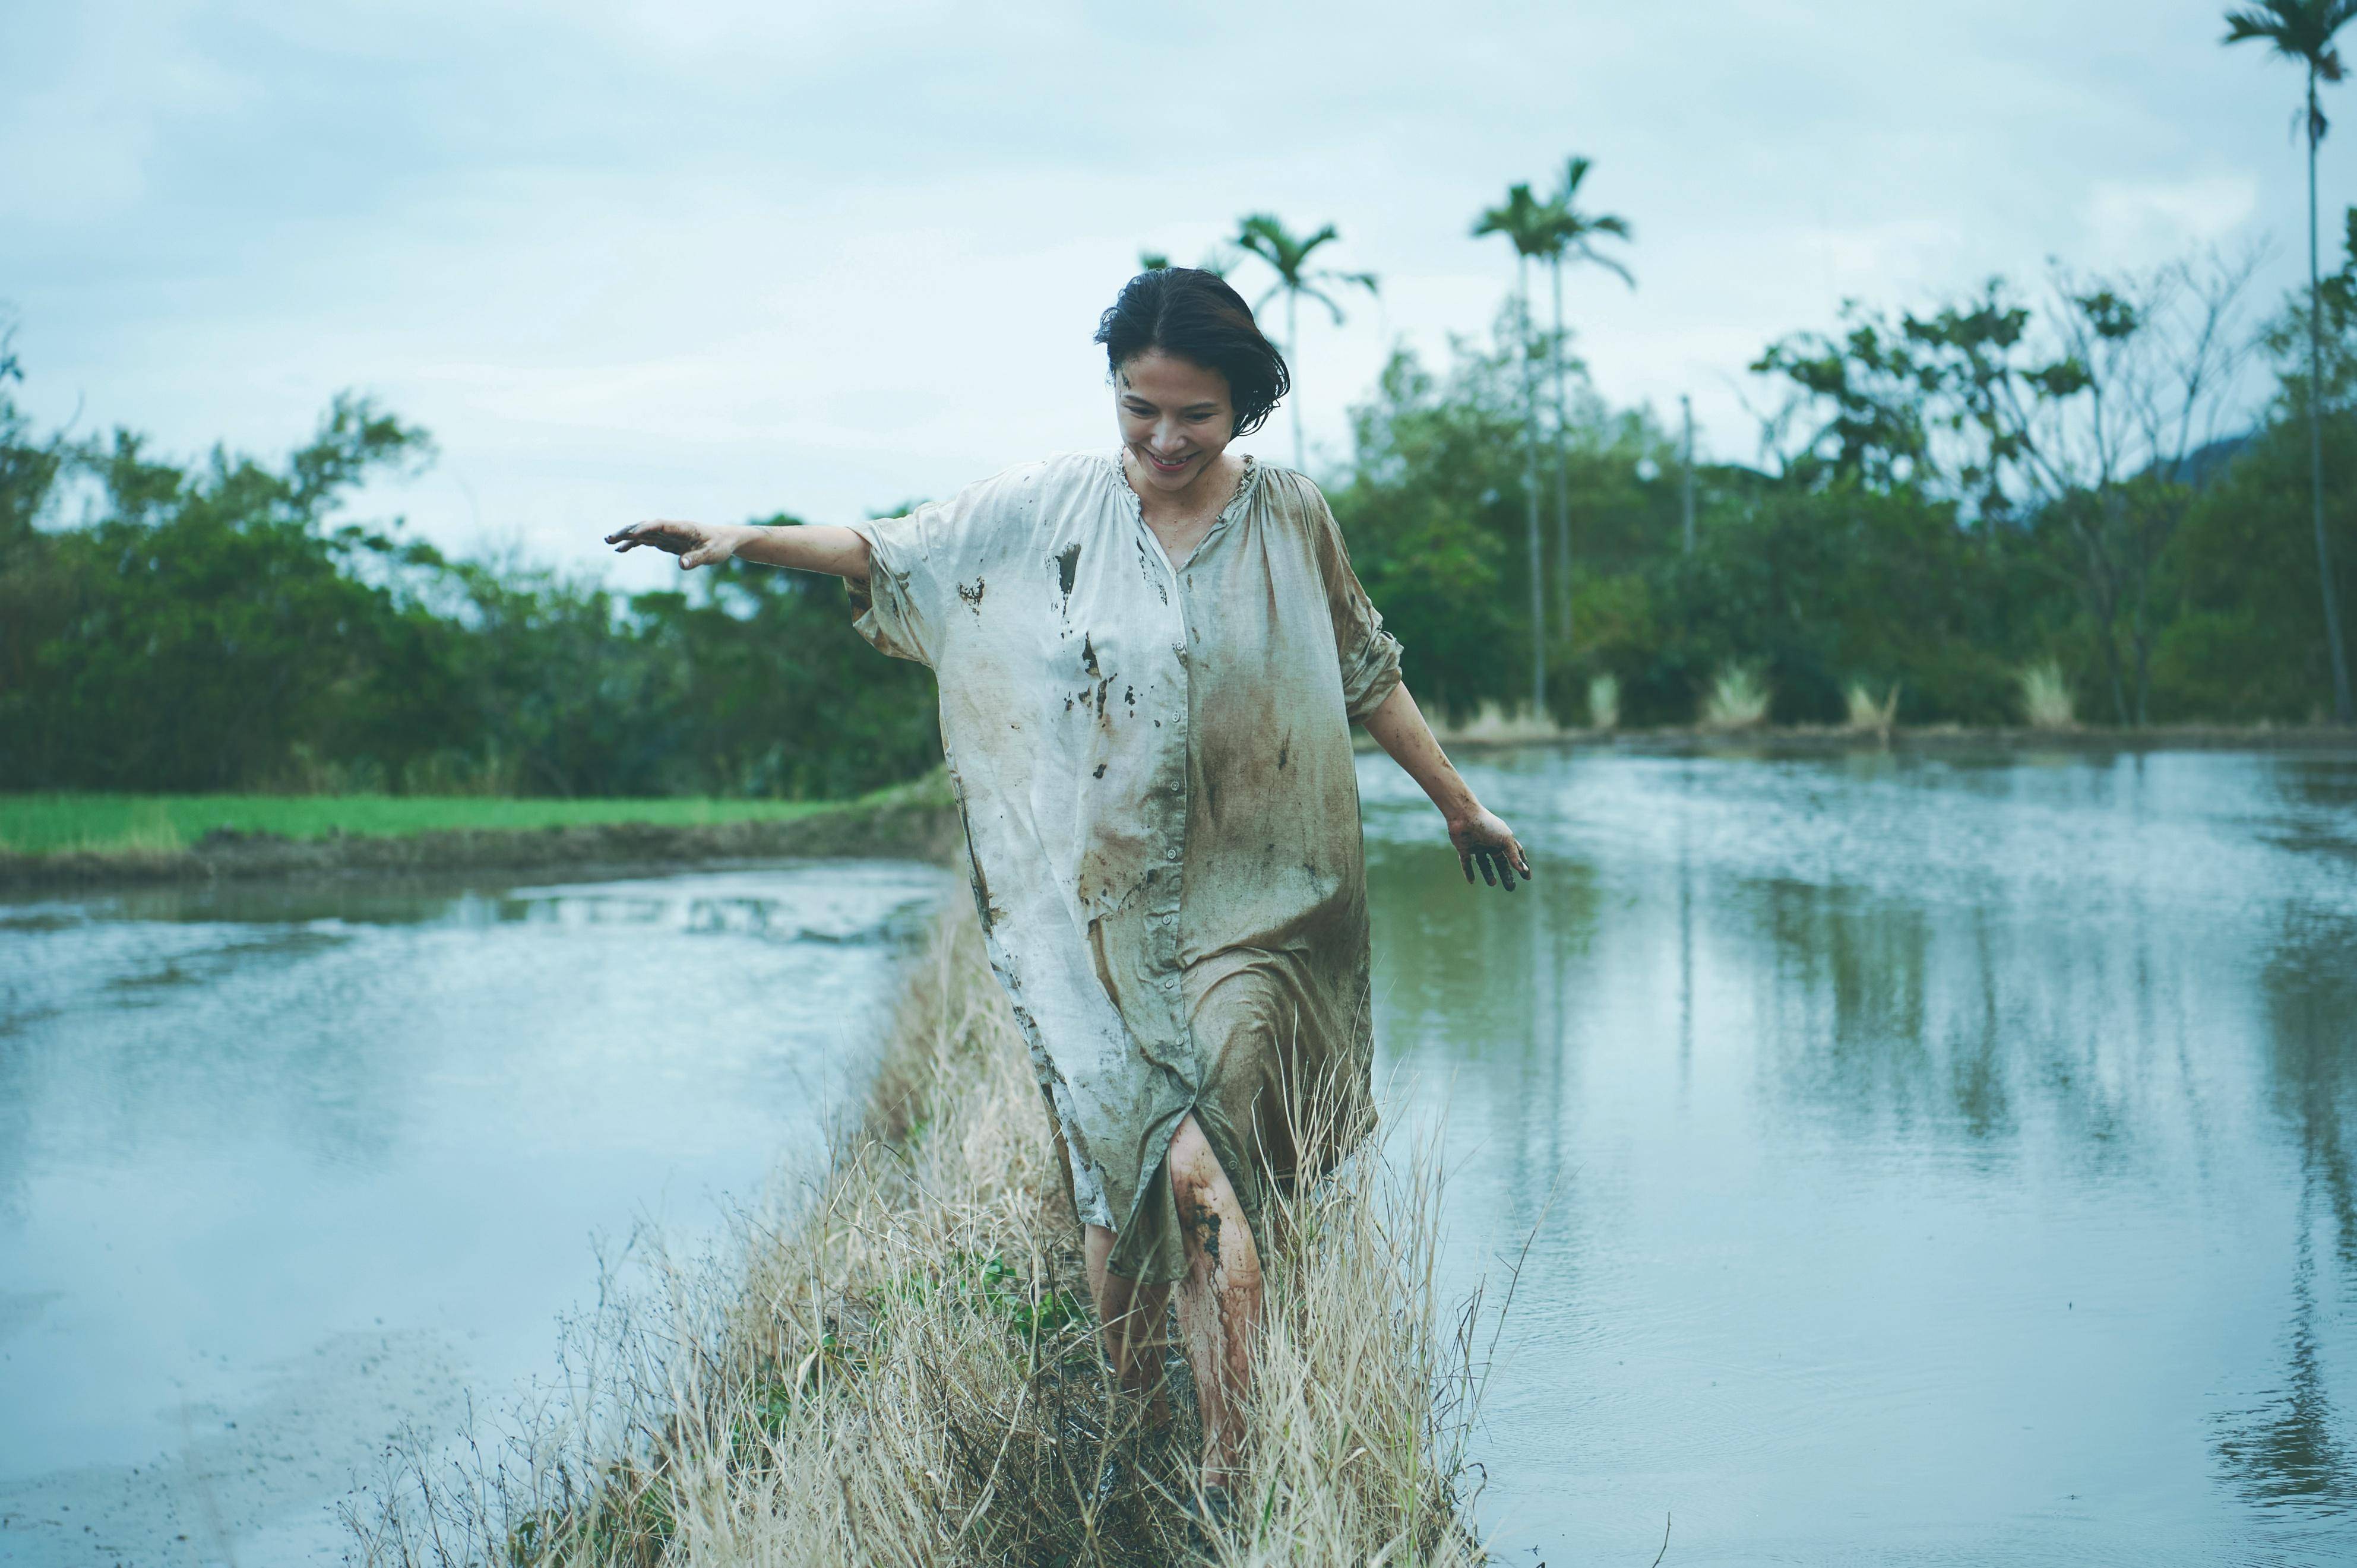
pixel 78 841
pixel 116 824
pixel 899 1367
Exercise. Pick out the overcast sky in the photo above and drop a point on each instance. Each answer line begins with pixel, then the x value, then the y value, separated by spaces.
pixel 686 260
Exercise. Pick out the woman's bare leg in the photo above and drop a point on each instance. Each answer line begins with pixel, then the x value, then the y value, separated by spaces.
pixel 1132 1316
pixel 1219 1299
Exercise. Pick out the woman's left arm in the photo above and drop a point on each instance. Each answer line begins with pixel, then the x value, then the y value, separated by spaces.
pixel 1398 727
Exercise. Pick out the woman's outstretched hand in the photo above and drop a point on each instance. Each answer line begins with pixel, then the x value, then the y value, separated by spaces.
pixel 695 543
pixel 1483 838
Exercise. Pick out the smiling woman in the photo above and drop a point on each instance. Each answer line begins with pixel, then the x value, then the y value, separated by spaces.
pixel 1150 662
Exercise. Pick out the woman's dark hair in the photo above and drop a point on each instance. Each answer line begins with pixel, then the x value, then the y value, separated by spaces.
pixel 1196 317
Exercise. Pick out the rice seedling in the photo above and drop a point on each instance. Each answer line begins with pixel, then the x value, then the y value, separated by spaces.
pixel 1737 698
pixel 1604 703
pixel 903 1358
pixel 2046 697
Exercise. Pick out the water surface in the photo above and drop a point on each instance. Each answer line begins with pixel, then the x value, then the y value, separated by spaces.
pixel 285 1170
pixel 1925 1161
pixel 1921 1160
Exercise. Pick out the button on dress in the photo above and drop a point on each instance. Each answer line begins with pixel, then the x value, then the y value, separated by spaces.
pixel 1154 766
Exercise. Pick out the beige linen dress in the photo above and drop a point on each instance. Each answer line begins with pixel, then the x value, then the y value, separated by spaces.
pixel 1154 766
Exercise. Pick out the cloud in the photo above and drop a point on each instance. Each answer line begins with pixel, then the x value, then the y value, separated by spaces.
pixel 717 260
pixel 86 93
pixel 2139 223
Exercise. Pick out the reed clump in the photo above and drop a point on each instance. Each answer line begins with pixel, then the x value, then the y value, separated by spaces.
pixel 1737 698
pixel 1495 723
pixel 1866 713
pixel 1604 703
pixel 902 1368
pixel 2046 701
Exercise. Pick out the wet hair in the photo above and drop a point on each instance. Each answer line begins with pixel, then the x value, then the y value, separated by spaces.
pixel 1196 317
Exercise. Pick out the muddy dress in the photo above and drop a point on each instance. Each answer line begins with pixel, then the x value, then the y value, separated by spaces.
pixel 1154 766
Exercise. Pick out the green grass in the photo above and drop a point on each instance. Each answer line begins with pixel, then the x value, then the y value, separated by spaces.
pixel 118 825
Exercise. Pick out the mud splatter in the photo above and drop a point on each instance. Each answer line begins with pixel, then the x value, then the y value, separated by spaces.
pixel 1098 772
pixel 982 906
pixel 1209 1229
pixel 1153 577
pixel 1068 568
pixel 1283 750
pixel 972 596
pixel 1088 651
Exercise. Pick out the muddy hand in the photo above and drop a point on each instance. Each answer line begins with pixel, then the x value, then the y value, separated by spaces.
pixel 693 542
pixel 1484 839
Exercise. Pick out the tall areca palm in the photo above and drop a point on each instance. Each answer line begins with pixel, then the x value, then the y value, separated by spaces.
pixel 1529 224
pixel 1219 261
pixel 1573 234
pixel 1287 254
pixel 2302 31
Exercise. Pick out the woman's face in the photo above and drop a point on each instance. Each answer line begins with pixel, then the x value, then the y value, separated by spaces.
pixel 1174 416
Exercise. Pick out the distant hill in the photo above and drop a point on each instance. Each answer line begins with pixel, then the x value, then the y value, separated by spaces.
pixel 2207 462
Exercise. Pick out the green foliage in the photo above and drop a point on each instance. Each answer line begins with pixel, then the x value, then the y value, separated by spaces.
pixel 1575 233
pixel 2245 640
pixel 1032 1310
pixel 211 629
pixel 1825 580
pixel 1428 509
pixel 208 620
pixel 2298 30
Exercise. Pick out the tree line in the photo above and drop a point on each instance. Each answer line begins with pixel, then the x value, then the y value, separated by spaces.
pixel 211 627
pixel 1949 497
pixel 2071 478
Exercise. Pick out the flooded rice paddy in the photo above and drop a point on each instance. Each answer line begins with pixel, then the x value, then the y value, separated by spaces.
pixel 285 1170
pixel 1918 1160
pixel 1922 1161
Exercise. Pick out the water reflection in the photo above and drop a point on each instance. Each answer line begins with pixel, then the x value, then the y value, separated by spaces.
pixel 1950 1156
pixel 2297 1446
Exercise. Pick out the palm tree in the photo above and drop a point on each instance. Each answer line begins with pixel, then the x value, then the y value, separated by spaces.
pixel 1219 261
pixel 1573 235
pixel 2302 31
pixel 1530 225
pixel 1287 254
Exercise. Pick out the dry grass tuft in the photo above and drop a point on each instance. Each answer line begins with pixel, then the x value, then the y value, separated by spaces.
pixel 901 1369
pixel 2046 697
pixel 1737 698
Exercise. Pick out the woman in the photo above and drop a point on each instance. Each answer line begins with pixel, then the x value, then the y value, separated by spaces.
pixel 1150 661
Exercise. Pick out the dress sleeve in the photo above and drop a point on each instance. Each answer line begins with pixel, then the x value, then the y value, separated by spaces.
pixel 1370 655
pixel 914 563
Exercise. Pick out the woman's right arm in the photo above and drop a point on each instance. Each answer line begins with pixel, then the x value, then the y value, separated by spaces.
pixel 837 551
